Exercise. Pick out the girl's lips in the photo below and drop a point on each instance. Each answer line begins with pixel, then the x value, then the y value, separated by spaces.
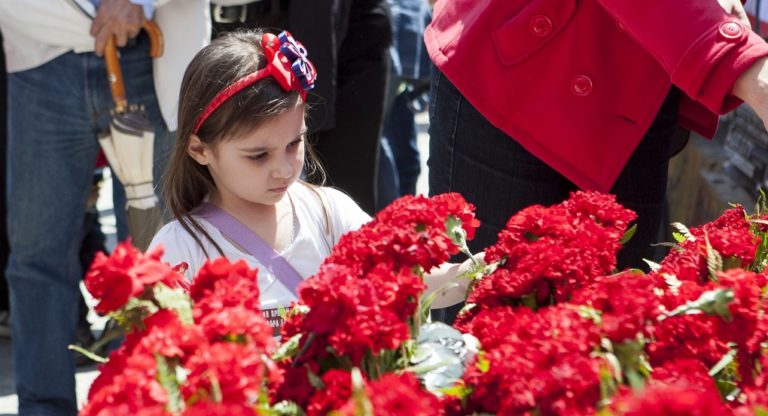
pixel 279 190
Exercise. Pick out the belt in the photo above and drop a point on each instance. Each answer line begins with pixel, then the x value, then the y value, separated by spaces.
pixel 240 13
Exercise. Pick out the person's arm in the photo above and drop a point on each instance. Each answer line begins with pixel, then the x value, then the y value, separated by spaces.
pixel 736 9
pixel 752 87
pixel 703 48
pixel 450 281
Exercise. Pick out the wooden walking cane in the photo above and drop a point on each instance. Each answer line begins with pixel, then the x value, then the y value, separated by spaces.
pixel 115 73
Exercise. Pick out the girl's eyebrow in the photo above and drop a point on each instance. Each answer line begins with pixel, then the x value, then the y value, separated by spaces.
pixel 264 148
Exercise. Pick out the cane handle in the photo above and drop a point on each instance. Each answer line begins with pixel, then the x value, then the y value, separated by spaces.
pixel 115 75
pixel 115 72
pixel 155 38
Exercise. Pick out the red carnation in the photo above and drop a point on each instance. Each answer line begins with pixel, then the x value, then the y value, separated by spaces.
pixel 207 408
pixel 124 274
pixel 237 369
pixel 335 393
pixel 397 395
pixel 627 303
pixel 677 399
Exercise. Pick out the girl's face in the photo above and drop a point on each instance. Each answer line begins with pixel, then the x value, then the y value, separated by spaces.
pixel 256 168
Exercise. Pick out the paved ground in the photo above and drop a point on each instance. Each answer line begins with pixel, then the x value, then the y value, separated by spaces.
pixel 8 401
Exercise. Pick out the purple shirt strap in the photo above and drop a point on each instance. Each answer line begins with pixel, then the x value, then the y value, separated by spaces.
pixel 233 229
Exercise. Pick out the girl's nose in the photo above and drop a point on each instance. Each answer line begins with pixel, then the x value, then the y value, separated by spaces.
pixel 284 169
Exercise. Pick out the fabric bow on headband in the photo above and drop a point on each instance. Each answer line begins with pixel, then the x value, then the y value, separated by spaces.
pixel 287 63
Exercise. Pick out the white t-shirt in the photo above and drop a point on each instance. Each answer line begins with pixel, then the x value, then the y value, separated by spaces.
pixel 309 246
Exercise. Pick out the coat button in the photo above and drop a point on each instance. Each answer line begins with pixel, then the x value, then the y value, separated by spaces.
pixel 581 85
pixel 731 30
pixel 541 25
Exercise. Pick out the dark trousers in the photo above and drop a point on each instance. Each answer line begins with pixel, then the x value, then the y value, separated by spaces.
pixel 349 151
pixel 491 170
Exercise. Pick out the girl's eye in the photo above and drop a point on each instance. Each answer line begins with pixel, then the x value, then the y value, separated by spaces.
pixel 260 156
pixel 295 143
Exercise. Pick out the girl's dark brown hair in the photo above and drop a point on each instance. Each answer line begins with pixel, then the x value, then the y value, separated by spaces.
pixel 225 60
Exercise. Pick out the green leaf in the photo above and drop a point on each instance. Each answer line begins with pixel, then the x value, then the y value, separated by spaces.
pixel 653 266
pixel 683 230
pixel 607 384
pixel 215 388
pixel 714 261
pixel 134 312
pixel 629 353
pixel 590 313
pixel 672 282
pixel 315 380
pixel 670 245
pixel 94 357
pixel 483 364
pixel 760 410
pixel 477 271
pixel 723 363
pixel 635 380
pixel 166 376
pixel 628 234
pixel 529 301
pixel 531 237
pixel 731 263
pixel 363 406
pixel 679 237
pixel 712 302
pixel 288 348
pixel 467 307
pixel 176 300
pixel 459 390
pixel 283 408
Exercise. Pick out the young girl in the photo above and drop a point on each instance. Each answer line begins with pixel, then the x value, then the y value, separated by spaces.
pixel 233 181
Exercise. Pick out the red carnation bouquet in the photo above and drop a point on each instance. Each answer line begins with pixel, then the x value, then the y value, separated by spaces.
pixel 562 332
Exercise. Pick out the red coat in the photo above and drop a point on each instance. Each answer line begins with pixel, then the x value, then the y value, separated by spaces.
pixel 578 82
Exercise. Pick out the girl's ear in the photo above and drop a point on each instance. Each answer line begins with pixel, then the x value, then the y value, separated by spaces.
pixel 198 150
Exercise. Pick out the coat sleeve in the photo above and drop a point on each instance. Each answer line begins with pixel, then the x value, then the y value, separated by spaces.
pixel 702 48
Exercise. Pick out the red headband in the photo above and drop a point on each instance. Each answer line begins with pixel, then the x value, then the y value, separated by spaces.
pixel 287 63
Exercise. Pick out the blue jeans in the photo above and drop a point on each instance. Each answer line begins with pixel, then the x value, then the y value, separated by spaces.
pixel 54 114
pixel 491 170
pixel 399 158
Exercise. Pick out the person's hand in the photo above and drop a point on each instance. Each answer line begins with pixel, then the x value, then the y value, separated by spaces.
pixel 735 8
pixel 752 87
pixel 120 18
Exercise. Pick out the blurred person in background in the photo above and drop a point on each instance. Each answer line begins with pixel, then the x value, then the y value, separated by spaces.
pixel 58 102
pixel 399 158
pixel 531 100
